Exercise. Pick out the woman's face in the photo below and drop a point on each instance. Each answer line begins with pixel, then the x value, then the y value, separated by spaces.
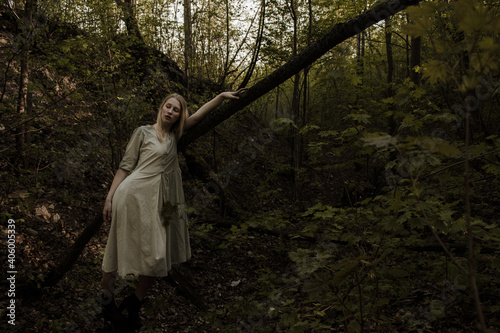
pixel 170 112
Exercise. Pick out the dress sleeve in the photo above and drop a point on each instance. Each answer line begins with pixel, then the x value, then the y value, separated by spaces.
pixel 131 157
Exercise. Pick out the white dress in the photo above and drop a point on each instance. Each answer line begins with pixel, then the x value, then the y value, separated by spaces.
pixel 149 224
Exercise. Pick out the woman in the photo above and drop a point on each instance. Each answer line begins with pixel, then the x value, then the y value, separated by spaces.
pixel 146 207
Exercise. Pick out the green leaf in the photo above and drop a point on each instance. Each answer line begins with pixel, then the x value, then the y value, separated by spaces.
pixel 328 213
pixel 389 100
pixel 346 269
pixel 325 134
pixel 446 215
pixel 468 16
pixel 421 18
pixel 483 62
pixel 382 302
pixel 361 118
pixel 283 123
pixel 435 71
pixel 447 149
pixel 318 285
pixel 356 80
pixel 306 129
pixel 437 308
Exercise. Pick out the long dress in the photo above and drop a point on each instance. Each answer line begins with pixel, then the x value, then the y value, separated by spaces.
pixel 149 224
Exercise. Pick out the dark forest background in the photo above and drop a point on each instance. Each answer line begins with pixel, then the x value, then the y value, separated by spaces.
pixel 356 192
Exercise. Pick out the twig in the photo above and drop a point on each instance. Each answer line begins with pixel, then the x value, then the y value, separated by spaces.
pixel 445 248
pixel 462 161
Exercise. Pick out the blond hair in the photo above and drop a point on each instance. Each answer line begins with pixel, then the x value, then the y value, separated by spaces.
pixel 178 126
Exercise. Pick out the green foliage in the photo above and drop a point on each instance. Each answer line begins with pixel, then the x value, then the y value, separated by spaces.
pixel 475 25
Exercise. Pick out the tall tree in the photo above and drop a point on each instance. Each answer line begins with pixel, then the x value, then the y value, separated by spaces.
pixel 305 98
pixel 127 7
pixel 390 70
pixel 258 43
pixel 295 108
pixel 188 42
pixel 26 25
pixel 415 46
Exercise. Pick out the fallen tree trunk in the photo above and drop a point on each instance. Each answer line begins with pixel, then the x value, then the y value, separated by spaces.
pixel 339 33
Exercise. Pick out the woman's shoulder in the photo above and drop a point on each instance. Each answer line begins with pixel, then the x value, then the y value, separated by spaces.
pixel 145 128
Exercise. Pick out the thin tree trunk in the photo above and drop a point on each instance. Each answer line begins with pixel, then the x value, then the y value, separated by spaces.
pixel 130 21
pixel 276 109
pixel 21 103
pixel 471 258
pixel 390 70
pixel 188 43
pixel 415 45
pixel 22 98
pixel 360 53
pixel 306 70
pixel 295 112
pixel 258 43
pixel 228 48
pixel 29 112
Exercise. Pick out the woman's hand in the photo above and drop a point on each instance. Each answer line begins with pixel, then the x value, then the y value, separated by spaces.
pixel 106 213
pixel 233 94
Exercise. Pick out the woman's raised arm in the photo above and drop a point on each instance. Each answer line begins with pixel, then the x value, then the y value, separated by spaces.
pixel 210 106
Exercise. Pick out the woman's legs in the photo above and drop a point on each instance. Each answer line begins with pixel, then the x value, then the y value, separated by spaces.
pixel 107 283
pixel 133 303
pixel 109 309
pixel 143 285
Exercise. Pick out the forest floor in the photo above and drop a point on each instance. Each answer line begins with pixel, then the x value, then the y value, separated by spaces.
pixel 218 274
pixel 222 272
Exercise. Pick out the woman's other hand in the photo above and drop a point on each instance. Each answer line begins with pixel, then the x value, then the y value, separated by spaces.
pixel 106 213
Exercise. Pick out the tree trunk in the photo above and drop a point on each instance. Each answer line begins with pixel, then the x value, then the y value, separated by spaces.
pixel 360 54
pixel 336 35
pixel 228 46
pixel 277 105
pixel 390 70
pixel 305 98
pixel 147 56
pixel 295 112
pixel 22 97
pixel 129 17
pixel 306 70
pixel 188 43
pixel 415 45
pixel 258 43
pixel 22 102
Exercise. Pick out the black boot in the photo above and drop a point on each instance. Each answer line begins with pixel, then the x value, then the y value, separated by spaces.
pixel 111 313
pixel 133 306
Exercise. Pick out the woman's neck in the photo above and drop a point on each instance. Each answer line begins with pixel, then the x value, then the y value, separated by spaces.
pixel 166 129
